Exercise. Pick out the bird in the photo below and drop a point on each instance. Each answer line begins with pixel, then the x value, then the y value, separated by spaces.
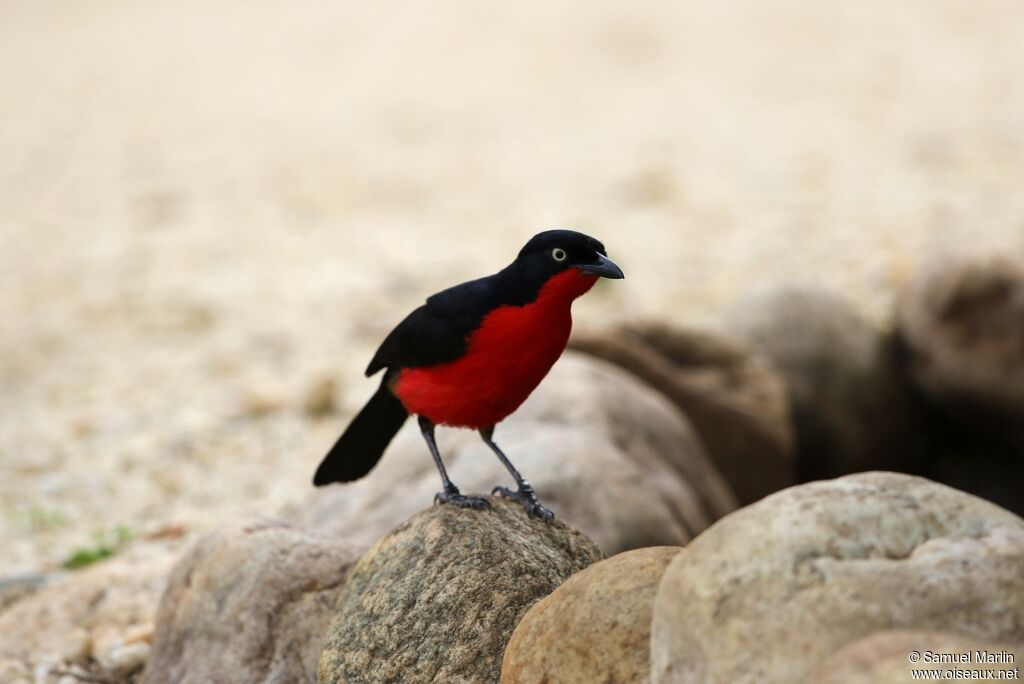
pixel 470 356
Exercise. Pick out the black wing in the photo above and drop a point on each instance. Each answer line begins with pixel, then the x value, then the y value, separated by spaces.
pixel 437 332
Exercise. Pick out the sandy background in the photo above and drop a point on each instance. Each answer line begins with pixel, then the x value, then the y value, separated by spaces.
pixel 211 210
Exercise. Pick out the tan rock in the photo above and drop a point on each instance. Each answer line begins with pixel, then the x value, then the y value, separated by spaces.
pixel 768 592
pixel 249 603
pixel 851 408
pixel 610 455
pixel 436 600
pixel 596 627
pixel 735 398
pixel 889 656
pixel 87 612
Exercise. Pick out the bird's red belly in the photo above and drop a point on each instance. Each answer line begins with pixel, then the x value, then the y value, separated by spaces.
pixel 507 357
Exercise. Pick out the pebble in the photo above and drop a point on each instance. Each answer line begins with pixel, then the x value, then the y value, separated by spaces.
pixel 127 657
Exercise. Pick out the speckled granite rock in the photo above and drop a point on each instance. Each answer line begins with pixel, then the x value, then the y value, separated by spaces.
pixel 249 603
pixel 596 627
pixel 772 589
pixel 438 597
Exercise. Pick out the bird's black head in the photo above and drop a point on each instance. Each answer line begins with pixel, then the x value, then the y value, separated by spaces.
pixel 556 250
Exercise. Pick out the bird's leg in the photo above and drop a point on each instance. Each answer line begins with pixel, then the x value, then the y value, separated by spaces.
pixel 524 493
pixel 451 493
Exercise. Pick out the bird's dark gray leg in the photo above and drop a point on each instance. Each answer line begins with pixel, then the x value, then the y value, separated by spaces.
pixel 524 493
pixel 451 493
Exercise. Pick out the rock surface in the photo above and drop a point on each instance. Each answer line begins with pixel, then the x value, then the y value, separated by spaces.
pixel 851 408
pixel 86 614
pixel 771 590
pixel 596 627
pixel 884 657
pixel 249 603
pixel 962 326
pixel 591 435
pixel 438 598
pixel 735 399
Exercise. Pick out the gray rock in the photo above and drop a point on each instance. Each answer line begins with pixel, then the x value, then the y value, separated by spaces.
pixel 884 658
pixel 610 455
pixel 735 398
pixel 437 599
pixel 851 407
pixel 962 326
pixel 771 590
pixel 249 603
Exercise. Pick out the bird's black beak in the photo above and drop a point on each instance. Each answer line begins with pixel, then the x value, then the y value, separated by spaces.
pixel 603 267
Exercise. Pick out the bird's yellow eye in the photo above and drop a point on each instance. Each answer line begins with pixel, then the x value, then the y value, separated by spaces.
pixel 558 254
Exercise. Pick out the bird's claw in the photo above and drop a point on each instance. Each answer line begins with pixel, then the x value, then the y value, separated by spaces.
pixel 526 496
pixel 456 498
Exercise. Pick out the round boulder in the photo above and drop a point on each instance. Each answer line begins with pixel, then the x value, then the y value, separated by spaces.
pixel 962 326
pixel 594 628
pixel 769 591
pixel 890 656
pixel 249 603
pixel 734 398
pixel 436 600
pixel 851 408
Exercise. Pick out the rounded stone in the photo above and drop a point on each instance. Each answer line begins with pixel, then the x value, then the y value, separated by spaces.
pixel 850 405
pixel 735 398
pixel 436 600
pixel 891 656
pixel 249 603
pixel 772 589
pixel 961 323
pixel 596 627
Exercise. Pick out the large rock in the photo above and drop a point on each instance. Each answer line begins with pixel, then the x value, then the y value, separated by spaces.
pixel 594 628
pixel 88 616
pixel 886 658
pixel 735 398
pixel 772 589
pixel 851 408
pixel 962 326
pixel 610 455
pixel 437 599
pixel 249 603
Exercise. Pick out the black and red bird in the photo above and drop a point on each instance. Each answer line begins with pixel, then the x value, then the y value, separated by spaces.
pixel 470 356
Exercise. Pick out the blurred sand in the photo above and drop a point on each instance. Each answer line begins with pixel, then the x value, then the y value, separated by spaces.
pixel 207 208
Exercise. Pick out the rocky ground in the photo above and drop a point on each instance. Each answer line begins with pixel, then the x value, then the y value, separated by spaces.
pixel 211 212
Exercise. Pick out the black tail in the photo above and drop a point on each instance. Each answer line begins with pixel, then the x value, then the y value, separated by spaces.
pixel 364 440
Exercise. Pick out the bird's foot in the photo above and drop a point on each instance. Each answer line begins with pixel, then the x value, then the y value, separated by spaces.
pixel 456 498
pixel 526 496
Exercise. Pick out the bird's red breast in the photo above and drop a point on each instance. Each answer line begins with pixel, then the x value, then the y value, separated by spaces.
pixel 506 358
